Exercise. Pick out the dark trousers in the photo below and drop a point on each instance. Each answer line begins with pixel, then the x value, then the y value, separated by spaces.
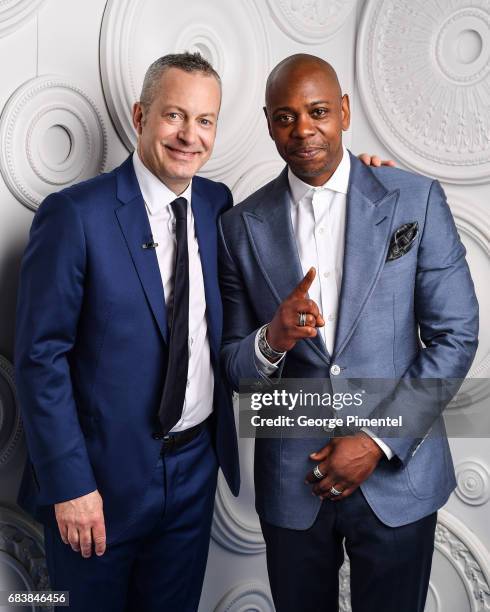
pixel 389 566
pixel 159 563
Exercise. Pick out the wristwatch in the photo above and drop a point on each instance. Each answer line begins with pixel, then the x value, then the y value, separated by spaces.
pixel 267 351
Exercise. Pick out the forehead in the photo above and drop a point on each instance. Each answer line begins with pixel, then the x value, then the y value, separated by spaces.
pixel 188 89
pixel 303 84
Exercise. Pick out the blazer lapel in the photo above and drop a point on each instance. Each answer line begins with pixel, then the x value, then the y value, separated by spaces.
pixel 272 238
pixel 205 226
pixel 135 227
pixel 370 211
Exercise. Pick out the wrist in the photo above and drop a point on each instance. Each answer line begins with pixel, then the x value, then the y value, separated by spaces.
pixel 369 443
pixel 265 348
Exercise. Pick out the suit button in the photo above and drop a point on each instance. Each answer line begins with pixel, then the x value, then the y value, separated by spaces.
pixel 335 370
pixel 157 435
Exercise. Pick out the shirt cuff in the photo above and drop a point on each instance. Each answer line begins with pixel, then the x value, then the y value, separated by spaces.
pixel 263 364
pixel 382 445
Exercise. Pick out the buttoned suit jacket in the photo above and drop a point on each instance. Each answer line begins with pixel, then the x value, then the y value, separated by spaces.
pixel 383 305
pixel 91 345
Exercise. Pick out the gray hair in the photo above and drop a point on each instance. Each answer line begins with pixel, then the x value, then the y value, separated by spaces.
pixel 189 62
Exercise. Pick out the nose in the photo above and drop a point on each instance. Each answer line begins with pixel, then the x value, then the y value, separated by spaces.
pixel 303 126
pixel 187 133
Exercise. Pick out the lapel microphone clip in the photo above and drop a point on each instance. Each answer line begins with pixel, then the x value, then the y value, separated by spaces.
pixel 150 244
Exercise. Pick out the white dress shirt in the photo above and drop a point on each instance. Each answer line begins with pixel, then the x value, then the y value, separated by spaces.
pixel 318 217
pixel 198 403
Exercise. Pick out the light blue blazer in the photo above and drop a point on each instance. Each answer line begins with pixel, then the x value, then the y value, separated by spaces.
pixel 383 305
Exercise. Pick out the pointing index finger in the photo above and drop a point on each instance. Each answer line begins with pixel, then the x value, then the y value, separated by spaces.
pixel 302 288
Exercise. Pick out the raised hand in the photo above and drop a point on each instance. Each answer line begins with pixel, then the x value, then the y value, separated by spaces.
pixel 284 330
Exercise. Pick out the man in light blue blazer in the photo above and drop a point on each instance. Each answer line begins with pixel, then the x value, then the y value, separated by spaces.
pixel 331 271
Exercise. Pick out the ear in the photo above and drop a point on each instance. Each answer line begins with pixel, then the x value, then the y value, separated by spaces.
pixel 345 112
pixel 138 117
pixel 268 122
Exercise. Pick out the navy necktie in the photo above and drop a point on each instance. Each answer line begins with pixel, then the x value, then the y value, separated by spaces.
pixel 175 386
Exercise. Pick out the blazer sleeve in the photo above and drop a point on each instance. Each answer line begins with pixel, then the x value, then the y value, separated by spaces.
pixel 446 310
pixel 49 304
pixel 240 326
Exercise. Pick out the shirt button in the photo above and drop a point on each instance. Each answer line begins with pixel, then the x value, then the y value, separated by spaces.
pixel 326 274
pixel 335 370
pixel 321 230
pixel 188 383
pixel 331 317
pixel 157 435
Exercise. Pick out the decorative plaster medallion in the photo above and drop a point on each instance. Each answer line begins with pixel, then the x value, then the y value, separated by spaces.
pixel 473 479
pixel 51 135
pixel 459 551
pixel 137 32
pixel 14 13
pixel 423 71
pixel 310 21
pixel 22 562
pixel 10 421
pixel 249 597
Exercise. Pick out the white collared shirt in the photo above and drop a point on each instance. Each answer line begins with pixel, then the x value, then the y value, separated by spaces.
pixel 318 217
pixel 198 403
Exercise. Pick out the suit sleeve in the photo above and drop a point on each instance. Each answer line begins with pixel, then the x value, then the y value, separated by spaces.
pixel 49 303
pixel 446 310
pixel 239 322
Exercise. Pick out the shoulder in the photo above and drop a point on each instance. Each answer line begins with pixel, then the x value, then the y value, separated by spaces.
pixel 216 193
pixel 80 198
pixel 403 180
pixel 250 204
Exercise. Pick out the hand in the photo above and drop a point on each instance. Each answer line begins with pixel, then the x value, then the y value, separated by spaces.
pixel 374 160
pixel 283 331
pixel 81 522
pixel 346 462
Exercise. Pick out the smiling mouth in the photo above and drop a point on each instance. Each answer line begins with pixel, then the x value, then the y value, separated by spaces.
pixel 307 152
pixel 181 154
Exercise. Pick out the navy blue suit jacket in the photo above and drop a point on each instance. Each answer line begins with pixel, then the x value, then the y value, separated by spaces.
pixel 92 345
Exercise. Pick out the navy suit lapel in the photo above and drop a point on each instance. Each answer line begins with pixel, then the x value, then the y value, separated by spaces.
pixel 206 233
pixel 272 238
pixel 134 224
pixel 370 210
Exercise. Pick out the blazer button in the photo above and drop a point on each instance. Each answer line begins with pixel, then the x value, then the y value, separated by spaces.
pixel 335 370
pixel 157 435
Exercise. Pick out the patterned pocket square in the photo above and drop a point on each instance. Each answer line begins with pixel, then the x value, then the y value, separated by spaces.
pixel 402 240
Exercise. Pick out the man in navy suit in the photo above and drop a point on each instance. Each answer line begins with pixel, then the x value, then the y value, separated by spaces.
pixel 118 334
pixel 331 271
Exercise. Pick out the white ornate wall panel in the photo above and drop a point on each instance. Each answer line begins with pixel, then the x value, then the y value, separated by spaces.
pixel 418 74
pixel 424 70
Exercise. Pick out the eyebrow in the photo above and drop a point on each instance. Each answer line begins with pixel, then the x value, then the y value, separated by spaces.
pixel 183 110
pixel 288 108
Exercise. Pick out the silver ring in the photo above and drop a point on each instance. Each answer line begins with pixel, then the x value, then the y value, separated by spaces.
pixel 317 474
pixel 335 491
pixel 301 319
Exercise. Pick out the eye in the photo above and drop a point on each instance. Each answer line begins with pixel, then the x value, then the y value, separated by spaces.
pixel 319 112
pixel 206 122
pixel 284 119
pixel 173 116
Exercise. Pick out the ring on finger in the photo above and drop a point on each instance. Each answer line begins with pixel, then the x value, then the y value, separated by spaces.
pixel 301 319
pixel 317 473
pixel 335 491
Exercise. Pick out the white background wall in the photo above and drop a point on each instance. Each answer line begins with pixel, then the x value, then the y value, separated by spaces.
pixel 418 73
